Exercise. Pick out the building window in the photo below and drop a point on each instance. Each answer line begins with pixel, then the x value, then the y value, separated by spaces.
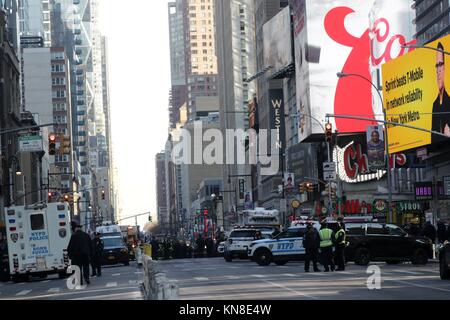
pixel 58 68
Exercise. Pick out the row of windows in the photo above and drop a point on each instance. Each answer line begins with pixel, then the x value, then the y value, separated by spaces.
pixel 205 51
pixel 59 94
pixel 59 107
pixel 60 119
pixel 58 81
pixel 58 68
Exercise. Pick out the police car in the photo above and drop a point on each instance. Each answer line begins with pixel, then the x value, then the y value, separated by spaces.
pixel 286 246
pixel 238 243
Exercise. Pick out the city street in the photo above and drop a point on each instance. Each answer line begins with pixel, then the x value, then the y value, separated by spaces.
pixel 215 279
pixel 116 283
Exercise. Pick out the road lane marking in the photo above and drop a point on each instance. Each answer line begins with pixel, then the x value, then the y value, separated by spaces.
pixel 291 290
pixel 201 279
pixel 54 290
pixel 289 275
pixel 139 272
pixel 72 293
pixel 408 272
pixel 418 285
pixel 23 293
pixel 46 281
pixel 232 277
pixel 116 275
pixel 133 282
pixel 111 284
pixel 258 276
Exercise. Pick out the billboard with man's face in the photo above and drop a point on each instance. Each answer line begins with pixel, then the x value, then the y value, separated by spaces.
pixel 331 37
pixel 415 93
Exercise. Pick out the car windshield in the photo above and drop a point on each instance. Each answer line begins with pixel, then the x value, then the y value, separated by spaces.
pixel 113 242
pixel 292 233
pixel 243 234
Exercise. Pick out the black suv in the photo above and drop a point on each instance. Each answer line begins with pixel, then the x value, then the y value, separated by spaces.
pixel 444 261
pixel 385 242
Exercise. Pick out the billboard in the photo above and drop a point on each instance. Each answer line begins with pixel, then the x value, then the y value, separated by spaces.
pixel 248 202
pixel 330 37
pixel 416 94
pixel 277 43
pixel 289 183
pixel 376 148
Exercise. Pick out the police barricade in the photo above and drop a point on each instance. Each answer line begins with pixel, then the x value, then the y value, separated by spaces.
pixel 155 285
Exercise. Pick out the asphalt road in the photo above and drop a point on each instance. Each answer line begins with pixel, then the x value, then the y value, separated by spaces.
pixel 215 279
pixel 117 283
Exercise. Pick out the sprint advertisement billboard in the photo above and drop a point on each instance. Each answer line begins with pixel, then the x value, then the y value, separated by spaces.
pixel 415 92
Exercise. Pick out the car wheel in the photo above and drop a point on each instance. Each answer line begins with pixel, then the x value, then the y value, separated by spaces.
pixel 443 270
pixel 281 262
pixel 263 257
pixel 228 257
pixel 419 257
pixel 362 257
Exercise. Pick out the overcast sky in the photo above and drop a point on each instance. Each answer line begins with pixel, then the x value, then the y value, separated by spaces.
pixel 139 66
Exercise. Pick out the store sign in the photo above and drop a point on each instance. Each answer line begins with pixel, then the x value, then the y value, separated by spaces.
pixel 241 189
pixel 409 207
pixel 423 191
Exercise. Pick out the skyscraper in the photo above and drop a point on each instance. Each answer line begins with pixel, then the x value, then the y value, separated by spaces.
pixel 432 20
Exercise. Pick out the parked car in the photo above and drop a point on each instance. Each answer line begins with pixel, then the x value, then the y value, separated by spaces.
pixel 115 251
pixel 238 243
pixel 444 261
pixel 385 242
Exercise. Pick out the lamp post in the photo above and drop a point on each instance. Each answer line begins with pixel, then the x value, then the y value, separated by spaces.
pixel 386 136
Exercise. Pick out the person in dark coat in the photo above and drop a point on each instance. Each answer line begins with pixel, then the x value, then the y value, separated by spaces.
pixel 200 246
pixel 414 230
pixel 97 252
pixel 441 232
pixel 79 250
pixel 155 248
pixel 429 231
pixel 311 243
pixel 447 235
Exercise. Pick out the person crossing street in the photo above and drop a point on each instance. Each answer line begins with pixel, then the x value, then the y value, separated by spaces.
pixel 311 243
pixel 97 252
pixel 326 247
pixel 340 245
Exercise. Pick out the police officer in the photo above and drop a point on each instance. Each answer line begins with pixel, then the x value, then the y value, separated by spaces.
pixel 340 244
pixel 326 247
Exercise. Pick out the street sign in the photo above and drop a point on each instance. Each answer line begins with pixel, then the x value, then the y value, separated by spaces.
pixel 329 176
pixel 30 144
pixel 329 167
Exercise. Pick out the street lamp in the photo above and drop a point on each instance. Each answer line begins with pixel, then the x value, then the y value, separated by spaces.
pixel 388 156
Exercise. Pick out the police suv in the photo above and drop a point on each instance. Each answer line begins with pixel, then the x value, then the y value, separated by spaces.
pixel 239 241
pixel 286 246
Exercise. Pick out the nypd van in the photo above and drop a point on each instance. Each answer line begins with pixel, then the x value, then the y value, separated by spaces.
pixel 38 237
pixel 286 246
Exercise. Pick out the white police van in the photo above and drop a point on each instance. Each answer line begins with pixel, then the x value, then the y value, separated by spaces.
pixel 38 237
pixel 286 246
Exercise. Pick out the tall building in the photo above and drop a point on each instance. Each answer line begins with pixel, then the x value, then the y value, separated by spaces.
pixel 267 90
pixel 235 38
pixel 46 75
pixel 35 20
pixel 432 20
pixel 161 190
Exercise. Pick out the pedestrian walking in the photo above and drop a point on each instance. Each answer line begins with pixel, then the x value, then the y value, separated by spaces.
pixel 311 243
pixel 97 253
pixel 430 232
pixel 326 247
pixel 441 232
pixel 340 245
pixel 79 251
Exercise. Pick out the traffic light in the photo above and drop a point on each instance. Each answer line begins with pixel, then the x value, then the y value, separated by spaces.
pixel 150 218
pixel 52 144
pixel 329 132
pixel 310 187
pixel 302 188
pixel 103 195
pixel 66 198
pixel 50 197
pixel 66 145
pixel 205 212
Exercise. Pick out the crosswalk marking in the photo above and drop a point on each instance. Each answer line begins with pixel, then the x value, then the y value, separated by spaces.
pixel 46 281
pixel 54 290
pixel 139 272
pixel 133 282
pixel 116 275
pixel 289 275
pixel 258 276
pixel 111 284
pixel 23 293
pixel 232 277
pixel 201 279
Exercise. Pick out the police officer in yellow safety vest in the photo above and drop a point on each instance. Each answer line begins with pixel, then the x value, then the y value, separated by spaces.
pixel 340 243
pixel 326 247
